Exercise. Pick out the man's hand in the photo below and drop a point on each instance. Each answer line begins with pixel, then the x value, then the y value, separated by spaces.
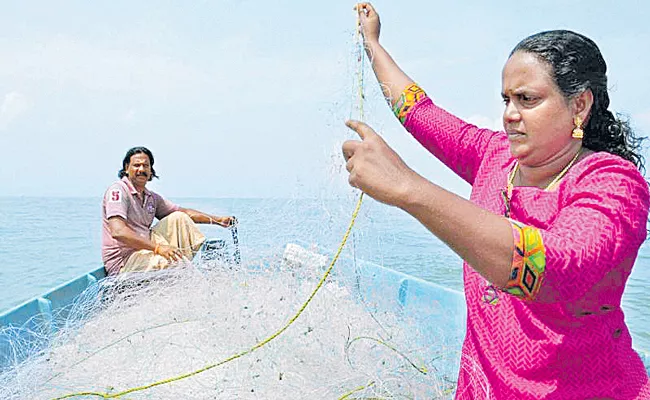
pixel 169 252
pixel 375 168
pixel 226 222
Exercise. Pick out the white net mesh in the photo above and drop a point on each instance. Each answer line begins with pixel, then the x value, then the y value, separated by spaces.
pixel 167 324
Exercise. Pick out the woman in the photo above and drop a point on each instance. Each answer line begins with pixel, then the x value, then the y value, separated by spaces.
pixel 555 220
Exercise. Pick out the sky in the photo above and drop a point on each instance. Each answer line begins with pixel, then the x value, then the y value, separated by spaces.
pixel 248 98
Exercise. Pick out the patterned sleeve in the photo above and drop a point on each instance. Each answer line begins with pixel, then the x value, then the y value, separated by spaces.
pixel 600 229
pixel 164 207
pixel 459 145
pixel 116 202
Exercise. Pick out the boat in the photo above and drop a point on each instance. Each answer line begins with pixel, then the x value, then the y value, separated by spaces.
pixel 439 310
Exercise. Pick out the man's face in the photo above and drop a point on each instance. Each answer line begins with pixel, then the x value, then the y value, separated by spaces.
pixel 139 170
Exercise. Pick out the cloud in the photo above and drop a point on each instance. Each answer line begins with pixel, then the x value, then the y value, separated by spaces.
pixel 13 106
pixel 643 118
pixel 129 116
pixel 63 60
pixel 236 75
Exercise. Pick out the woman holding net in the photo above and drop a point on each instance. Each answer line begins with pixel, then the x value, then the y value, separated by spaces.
pixel 553 226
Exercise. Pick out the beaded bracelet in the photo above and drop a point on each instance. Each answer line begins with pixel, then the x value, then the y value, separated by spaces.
pixel 409 97
pixel 528 264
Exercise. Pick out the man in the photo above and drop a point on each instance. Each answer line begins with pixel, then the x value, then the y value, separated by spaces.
pixel 128 210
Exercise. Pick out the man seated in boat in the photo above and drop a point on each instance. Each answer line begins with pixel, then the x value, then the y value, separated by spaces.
pixel 129 243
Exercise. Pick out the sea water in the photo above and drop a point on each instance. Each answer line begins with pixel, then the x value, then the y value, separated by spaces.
pixel 47 241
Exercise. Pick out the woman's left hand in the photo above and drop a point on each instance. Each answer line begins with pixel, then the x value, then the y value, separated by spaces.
pixel 375 168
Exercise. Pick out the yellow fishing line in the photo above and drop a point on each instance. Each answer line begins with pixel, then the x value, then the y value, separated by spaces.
pixel 360 68
pixel 355 390
pixel 423 369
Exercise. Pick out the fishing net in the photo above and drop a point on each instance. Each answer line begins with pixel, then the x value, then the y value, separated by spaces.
pixel 156 328
pixel 270 317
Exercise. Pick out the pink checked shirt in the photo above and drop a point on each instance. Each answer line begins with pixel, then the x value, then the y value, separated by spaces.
pixel 570 341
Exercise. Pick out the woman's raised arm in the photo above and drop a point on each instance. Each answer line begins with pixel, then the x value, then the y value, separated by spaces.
pixel 392 79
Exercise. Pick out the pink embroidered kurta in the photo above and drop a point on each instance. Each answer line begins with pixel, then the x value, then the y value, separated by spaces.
pixel 569 340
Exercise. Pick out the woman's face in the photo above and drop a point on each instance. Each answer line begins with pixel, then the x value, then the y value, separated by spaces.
pixel 537 117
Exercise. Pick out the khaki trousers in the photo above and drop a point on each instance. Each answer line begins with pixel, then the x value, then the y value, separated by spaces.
pixel 178 230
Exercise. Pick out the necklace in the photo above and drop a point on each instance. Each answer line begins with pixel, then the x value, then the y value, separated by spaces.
pixel 491 292
pixel 507 194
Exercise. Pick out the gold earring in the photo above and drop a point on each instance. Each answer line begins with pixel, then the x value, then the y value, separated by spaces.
pixel 578 133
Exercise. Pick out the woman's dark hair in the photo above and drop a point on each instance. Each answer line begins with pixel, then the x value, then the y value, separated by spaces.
pixel 127 159
pixel 577 65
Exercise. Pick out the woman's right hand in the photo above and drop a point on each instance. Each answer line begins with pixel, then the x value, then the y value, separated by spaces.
pixel 369 20
pixel 377 169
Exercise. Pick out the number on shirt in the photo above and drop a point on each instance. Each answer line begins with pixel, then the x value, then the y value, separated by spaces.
pixel 115 196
